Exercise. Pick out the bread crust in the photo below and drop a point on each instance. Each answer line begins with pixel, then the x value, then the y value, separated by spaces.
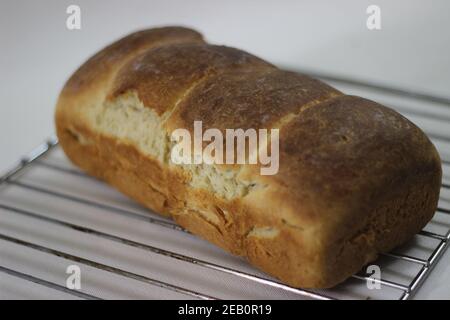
pixel 355 178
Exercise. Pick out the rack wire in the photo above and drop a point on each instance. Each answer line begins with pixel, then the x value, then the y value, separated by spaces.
pixel 39 158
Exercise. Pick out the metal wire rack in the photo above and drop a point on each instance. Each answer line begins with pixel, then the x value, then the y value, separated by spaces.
pixel 19 185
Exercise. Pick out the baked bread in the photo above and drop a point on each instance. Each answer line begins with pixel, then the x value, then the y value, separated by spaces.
pixel 355 178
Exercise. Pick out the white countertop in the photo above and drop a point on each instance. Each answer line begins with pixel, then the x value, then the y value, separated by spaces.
pixel 38 52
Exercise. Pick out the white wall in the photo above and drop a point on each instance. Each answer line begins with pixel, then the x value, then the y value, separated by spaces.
pixel 37 52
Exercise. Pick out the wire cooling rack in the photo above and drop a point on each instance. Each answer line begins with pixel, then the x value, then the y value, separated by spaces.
pixel 53 216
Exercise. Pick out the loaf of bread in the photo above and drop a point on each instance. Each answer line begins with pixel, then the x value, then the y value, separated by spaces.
pixel 355 178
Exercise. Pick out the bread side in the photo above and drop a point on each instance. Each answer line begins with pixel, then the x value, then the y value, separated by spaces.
pixel 344 191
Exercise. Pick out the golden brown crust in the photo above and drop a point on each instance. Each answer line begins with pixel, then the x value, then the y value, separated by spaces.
pixel 357 145
pixel 163 75
pixel 258 99
pixel 106 60
pixel 355 178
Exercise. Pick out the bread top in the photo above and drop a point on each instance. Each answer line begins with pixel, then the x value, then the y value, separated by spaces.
pixel 338 153
pixel 165 75
pixel 260 99
pixel 351 151
pixel 112 57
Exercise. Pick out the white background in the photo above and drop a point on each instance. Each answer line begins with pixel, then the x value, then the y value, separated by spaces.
pixel 38 53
